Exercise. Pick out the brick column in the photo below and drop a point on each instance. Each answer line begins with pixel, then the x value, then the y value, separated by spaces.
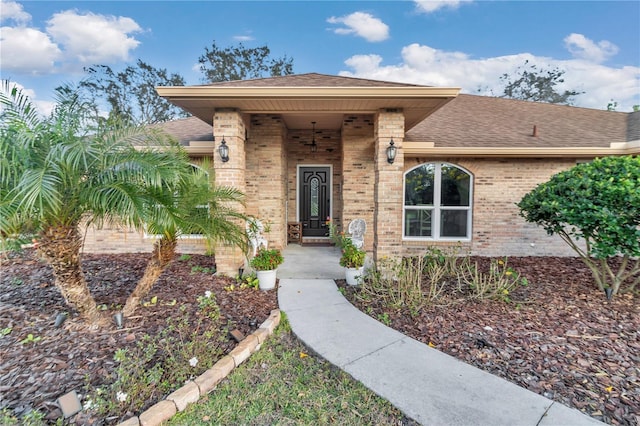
pixel 266 175
pixel 358 169
pixel 388 184
pixel 230 125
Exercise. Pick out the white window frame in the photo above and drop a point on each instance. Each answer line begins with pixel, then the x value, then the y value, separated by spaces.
pixel 437 208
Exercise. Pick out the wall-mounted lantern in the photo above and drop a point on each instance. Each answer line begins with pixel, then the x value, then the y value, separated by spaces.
pixel 391 152
pixel 223 149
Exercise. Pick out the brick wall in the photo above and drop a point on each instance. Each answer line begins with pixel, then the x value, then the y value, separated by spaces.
pixel 358 173
pixel 117 239
pixel 388 184
pixel 230 125
pixel 363 182
pixel 498 229
pixel 266 179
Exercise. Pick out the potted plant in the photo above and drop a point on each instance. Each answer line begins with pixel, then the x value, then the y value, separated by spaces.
pixel 353 260
pixel 265 263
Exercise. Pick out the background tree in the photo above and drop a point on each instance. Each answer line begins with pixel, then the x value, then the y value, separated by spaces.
pixel 598 203
pixel 241 63
pixel 68 170
pixel 131 93
pixel 530 83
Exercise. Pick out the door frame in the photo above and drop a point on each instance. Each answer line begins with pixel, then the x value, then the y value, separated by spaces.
pixel 301 166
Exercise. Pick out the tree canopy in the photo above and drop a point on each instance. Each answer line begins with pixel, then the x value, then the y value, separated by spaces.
pixel 72 169
pixel 131 92
pixel 241 63
pixel 597 203
pixel 530 83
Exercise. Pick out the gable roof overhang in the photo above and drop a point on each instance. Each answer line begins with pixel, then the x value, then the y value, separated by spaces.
pixel 300 105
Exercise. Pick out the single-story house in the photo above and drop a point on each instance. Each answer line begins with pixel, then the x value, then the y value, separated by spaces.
pixel 310 148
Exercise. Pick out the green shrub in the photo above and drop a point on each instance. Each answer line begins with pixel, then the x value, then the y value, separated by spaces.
pixel 335 236
pixel 496 284
pixel 249 281
pixel 597 203
pixel 352 257
pixel 411 283
pixel 440 276
pixel 267 260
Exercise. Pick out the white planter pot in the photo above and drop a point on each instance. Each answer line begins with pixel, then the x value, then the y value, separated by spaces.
pixel 352 273
pixel 266 279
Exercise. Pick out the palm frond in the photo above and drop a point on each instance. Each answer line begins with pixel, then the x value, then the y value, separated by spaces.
pixel 17 109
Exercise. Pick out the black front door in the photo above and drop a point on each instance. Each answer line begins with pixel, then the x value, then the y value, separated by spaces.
pixel 315 196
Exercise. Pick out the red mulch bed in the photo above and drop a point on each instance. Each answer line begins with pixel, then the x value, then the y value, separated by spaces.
pixel 558 337
pixel 34 375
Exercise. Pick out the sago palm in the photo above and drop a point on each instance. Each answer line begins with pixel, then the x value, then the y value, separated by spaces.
pixel 68 170
pixel 194 206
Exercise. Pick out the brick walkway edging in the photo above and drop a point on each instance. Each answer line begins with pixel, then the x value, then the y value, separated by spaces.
pixel 207 381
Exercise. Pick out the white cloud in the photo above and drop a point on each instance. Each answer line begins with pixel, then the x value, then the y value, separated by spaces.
pixel 44 108
pixel 361 24
pixel 583 48
pixel 430 6
pixel 27 50
pixel 13 11
pixel 426 65
pixel 70 41
pixel 92 38
pixel 243 38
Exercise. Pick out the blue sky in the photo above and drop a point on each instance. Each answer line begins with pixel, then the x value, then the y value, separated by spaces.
pixel 467 44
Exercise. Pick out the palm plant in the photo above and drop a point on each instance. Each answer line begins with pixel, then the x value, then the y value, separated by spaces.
pixel 194 206
pixel 72 169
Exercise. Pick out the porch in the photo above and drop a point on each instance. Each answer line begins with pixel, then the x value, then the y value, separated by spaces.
pixel 310 149
pixel 311 262
pixel 313 175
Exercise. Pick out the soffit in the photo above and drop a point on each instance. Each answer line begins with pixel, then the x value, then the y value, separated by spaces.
pixel 298 106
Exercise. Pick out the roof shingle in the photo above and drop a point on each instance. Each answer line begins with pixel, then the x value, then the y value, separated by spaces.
pixel 309 80
pixel 468 120
pixel 481 121
pixel 187 129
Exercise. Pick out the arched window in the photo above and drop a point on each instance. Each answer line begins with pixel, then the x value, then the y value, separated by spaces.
pixel 437 202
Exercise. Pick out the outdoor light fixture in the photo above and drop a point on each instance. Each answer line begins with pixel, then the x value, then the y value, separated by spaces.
pixel 314 145
pixel 391 152
pixel 223 149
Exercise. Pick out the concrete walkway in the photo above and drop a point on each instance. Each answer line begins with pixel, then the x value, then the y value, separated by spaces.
pixel 427 385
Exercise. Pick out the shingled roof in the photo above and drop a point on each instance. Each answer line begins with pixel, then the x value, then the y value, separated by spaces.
pixel 466 121
pixel 186 130
pixel 309 80
pixel 633 126
pixel 481 121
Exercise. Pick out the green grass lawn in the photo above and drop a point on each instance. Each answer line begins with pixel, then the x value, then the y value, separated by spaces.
pixel 283 384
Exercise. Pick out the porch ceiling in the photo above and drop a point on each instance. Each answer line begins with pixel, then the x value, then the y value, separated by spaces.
pixel 300 105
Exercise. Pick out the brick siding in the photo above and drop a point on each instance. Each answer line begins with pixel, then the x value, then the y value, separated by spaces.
pixel 358 173
pixel 388 187
pixel 363 184
pixel 498 229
